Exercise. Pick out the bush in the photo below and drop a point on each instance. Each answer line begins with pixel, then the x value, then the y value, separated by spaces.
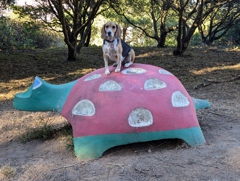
pixel 24 35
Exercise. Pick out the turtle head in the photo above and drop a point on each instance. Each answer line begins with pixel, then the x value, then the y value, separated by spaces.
pixel 42 96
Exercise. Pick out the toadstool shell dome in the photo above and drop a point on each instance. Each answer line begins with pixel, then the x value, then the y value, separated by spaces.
pixel 140 103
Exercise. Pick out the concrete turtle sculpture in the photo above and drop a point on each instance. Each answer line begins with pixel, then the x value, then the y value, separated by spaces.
pixel 139 104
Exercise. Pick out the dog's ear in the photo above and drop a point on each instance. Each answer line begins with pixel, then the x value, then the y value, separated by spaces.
pixel 103 35
pixel 118 31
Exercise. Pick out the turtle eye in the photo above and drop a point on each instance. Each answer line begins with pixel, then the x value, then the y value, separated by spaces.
pixel 37 83
pixel 113 27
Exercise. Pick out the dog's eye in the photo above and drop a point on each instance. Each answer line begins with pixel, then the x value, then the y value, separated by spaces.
pixel 106 26
pixel 113 27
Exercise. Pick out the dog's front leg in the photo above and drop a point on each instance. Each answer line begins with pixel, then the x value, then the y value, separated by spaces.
pixel 119 63
pixel 107 72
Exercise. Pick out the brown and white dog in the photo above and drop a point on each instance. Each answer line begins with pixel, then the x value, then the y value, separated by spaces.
pixel 114 48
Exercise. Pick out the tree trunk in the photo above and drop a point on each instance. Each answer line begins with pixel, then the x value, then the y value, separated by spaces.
pixel 162 40
pixel 182 47
pixel 184 35
pixel 72 54
pixel 208 42
pixel 177 51
pixel 86 44
pixel 124 33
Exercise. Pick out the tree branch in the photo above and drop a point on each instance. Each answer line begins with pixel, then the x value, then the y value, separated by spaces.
pixel 130 22
pixel 208 82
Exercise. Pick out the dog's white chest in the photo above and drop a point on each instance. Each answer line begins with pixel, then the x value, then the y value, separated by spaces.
pixel 111 50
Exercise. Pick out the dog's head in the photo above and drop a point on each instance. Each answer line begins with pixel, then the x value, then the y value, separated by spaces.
pixel 110 31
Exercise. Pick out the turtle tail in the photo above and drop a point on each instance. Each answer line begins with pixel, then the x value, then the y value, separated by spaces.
pixel 200 103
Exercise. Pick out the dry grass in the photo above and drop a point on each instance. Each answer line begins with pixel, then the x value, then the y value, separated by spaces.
pixel 19 69
pixel 48 135
pixel 7 171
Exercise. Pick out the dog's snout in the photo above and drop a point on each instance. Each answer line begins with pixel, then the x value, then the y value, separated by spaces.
pixel 109 33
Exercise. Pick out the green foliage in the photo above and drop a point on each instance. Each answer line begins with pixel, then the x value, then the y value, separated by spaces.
pixel 24 35
pixel 151 21
pixel 232 37
pixel 196 39
pixel 171 39
pixel 4 4
pixel 139 29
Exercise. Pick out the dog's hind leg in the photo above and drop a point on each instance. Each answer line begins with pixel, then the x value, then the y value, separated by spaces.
pixel 128 64
pixel 128 61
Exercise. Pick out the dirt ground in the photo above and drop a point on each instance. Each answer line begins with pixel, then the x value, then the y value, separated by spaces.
pixel 53 158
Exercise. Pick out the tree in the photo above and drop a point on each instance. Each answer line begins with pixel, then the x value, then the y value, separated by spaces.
pixel 186 10
pixel 233 34
pixel 73 18
pixel 4 4
pixel 191 14
pixel 144 14
pixel 116 18
pixel 220 20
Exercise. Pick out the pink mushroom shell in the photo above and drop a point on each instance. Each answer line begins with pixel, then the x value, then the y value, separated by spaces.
pixel 142 98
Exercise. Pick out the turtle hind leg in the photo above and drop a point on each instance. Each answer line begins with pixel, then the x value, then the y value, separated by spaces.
pixel 92 147
pixel 192 136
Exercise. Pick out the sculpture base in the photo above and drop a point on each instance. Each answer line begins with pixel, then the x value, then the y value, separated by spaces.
pixel 92 147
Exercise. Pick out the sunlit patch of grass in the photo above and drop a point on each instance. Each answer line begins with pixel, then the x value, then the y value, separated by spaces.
pixel 82 71
pixel 8 90
pixel 211 69
pixel 7 171
pixel 154 52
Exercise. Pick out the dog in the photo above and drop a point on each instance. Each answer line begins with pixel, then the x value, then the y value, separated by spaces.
pixel 114 48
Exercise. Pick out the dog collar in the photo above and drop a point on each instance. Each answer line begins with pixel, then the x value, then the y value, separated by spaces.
pixel 113 41
pixel 109 41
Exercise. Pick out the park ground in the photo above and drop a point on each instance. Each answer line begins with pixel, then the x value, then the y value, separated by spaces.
pixel 207 73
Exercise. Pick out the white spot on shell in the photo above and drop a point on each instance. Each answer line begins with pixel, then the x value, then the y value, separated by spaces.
pixel 152 84
pixel 179 99
pixel 140 117
pixel 84 108
pixel 134 71
pixel 110 85
pixel 92 77
pixel 162 71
